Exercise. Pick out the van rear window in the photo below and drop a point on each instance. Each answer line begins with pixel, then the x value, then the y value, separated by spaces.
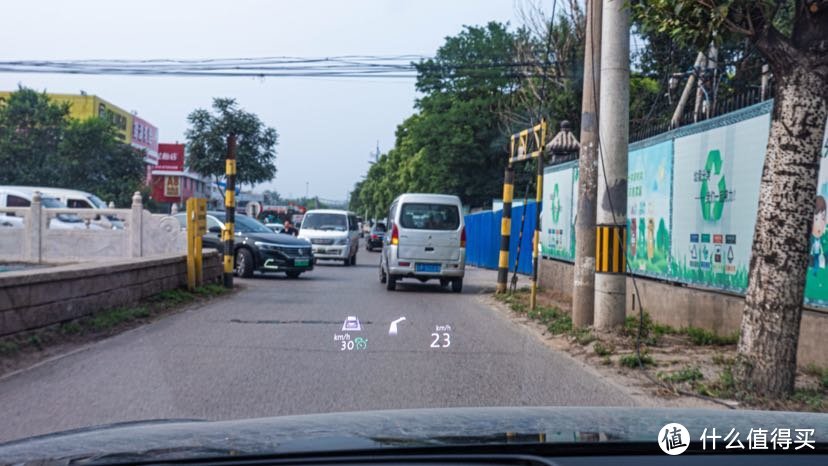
pixel 421 216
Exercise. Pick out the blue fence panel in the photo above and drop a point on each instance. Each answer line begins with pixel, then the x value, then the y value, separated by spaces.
pixel 483 238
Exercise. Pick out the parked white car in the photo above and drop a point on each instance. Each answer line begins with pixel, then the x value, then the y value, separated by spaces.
pixel 17 196
pixel 425 240
pixel 334 234
pixel 75 199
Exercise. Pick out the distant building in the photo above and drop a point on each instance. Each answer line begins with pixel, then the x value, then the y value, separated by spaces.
pixel 172 183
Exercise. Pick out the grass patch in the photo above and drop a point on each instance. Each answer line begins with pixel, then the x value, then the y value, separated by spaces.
pixel 174 297
pixel 70 328
pixel 583 336
pixel 721 360
pixel 603 350
pixel 649 335
pixel 8 347
pixel 724 387
pixel 631 361
pixel 113 317
pixel 685 374
pixel 814 399
pixel 702 337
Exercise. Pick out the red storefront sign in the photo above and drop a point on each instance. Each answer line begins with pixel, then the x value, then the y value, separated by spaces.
pixel 170 157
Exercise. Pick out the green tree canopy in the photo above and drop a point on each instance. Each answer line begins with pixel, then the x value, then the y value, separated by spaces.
pixel 31 128
pixel 207 143
pixel 40 145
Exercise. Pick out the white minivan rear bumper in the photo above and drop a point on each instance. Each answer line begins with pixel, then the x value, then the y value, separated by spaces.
pixel 409 268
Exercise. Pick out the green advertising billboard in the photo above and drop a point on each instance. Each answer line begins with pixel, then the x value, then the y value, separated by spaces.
pixel 715 195
pixel 816 284
pixel 557 211
pixel 649 193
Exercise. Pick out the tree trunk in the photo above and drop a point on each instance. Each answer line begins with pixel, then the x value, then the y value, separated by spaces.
pixel 766 363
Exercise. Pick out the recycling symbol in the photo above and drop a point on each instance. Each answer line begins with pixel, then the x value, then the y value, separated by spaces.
pixel 712 204
pixel 555 204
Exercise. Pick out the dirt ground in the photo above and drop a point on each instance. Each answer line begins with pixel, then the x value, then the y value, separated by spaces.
pixel 683 373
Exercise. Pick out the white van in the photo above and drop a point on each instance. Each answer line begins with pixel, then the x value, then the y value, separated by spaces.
pixel 334 234
pixel 425 239
pixel 75 199
pixel 21 196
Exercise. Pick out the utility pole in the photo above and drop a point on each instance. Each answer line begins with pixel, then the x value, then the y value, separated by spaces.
pixel 230 211
pixel 685 95
pixel 613 121
pixel 583 291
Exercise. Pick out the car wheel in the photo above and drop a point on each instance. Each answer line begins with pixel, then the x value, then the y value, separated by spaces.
pixel 390 283
pixel 457 285
pixel 244 263
pixel 353 259
pixel 382 276
pixel 369 248
pixel 293 274
pixel 444 282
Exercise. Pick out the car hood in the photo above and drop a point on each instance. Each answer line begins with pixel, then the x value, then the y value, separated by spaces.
pixel 341 432
pixel 276 238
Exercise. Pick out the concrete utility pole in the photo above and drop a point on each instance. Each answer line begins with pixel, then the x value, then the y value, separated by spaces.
pixel 583 291
pixel 685 95
pixel 613 120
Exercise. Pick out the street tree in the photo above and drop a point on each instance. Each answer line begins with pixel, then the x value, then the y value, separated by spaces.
pixel 31 128
pixel 207 143
pixel 92 158
pixel 797 52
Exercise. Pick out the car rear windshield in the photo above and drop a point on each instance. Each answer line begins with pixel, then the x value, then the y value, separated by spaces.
pixel 422 216
pixel 379 227
pixel 333 222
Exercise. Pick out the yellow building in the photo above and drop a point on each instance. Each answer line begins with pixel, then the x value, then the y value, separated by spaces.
pixel 83 106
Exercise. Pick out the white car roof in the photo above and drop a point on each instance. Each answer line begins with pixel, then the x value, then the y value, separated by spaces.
pixel 50 192
pixel 329 211
pixel 424 197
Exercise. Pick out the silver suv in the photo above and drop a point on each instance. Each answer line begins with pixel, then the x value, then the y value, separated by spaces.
pixel 425 239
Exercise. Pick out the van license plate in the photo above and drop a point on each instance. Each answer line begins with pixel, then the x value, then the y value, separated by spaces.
pixel 427 267
pixel 300 262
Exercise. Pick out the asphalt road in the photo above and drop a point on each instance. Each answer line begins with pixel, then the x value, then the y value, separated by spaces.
pixel 271 350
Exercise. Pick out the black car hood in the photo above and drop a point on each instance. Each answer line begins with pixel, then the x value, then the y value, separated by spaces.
pixel 169 439
pixel 276 238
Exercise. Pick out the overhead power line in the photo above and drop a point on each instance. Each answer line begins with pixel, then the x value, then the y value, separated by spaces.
pixel 346 66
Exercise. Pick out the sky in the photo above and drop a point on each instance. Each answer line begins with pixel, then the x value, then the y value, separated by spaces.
pixel 327 126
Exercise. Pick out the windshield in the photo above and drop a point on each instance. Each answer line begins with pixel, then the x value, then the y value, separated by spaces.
pixel 97 202
pixel 246 224
pixel 325 222
pixel 470 204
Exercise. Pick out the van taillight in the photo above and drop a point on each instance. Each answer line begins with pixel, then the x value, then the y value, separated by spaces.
pixel 395 236
pixel 463 237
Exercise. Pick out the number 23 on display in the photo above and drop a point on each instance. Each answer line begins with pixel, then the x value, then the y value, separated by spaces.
pixel 443 342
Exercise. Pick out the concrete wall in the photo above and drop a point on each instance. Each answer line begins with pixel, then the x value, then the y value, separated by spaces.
pixel 31 299
pixel 683 306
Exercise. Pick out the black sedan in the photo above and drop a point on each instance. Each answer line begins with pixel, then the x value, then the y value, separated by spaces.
pixel 257 247
pixel 375 237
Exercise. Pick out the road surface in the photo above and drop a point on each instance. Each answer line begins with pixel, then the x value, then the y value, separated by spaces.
pixel 275 348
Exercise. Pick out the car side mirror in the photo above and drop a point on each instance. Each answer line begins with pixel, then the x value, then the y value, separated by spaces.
pixel 216 230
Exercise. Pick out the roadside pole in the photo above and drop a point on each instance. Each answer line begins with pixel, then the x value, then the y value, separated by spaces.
pixel 230 210
pixel 613 121
pixel 505 227
pixel 583 291
pixel 538 200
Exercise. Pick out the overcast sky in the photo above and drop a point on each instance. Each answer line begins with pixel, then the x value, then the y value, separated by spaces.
pixel 327 126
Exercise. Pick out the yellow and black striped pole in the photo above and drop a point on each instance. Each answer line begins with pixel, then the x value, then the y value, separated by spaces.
pixel 230 211
pixel 505 229
pixel 610 245
pixel 538 200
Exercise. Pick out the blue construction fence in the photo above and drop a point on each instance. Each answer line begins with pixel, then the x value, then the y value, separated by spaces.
pixel 483 238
